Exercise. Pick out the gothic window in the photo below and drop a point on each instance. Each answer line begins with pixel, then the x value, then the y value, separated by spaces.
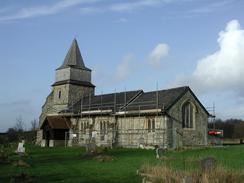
pixel 104 126
pixel 107 126
pixel 102 130
pixel 187 115
pixel 151 125
pixel 101 126
pixel 84 125
pixel 81 126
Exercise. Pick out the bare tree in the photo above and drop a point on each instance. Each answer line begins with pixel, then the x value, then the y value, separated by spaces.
pixel 19 125
pixel 34 124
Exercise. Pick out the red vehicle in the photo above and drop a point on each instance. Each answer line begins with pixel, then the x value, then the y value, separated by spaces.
pixel 216 132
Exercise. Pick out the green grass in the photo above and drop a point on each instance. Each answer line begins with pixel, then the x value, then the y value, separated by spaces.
pixel 68 165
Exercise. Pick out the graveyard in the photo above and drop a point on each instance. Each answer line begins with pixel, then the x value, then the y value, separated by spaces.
pixel 73 164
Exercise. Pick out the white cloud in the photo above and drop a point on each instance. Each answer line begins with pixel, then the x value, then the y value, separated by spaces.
pixel 158 53
pixel 223 69
pixel 212 7
pixel 44 10
pixel 129 65
pixel 129 6
pixel 91 10
pixel 126 68
pixel 89 7
pixel 121 20
pixel 125 6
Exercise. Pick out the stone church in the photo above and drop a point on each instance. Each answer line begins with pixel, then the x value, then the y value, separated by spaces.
pixel 74 115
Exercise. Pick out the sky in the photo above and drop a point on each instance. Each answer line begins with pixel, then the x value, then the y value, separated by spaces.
pixel 129 45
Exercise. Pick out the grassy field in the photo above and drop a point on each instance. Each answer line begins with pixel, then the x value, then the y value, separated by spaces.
pixel 69 165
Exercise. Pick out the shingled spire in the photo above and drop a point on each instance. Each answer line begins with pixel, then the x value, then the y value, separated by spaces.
pixel 73 57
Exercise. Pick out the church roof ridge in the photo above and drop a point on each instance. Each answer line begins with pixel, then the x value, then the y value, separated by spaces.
pixel 117 93
pixel 168 89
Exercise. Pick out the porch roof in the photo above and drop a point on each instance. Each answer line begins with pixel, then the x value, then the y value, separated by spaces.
pixel 57 122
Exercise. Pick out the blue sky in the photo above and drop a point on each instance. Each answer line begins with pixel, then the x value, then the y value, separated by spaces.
pixel 130 44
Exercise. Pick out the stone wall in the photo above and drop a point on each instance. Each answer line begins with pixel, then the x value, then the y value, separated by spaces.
pixel 70 94
pixel 46 108
pixel 189 136
pixel 65 90
pixel 76 92
pixel 125 131
pixel 133 131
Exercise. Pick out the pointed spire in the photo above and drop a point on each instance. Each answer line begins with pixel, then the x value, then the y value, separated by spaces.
pixel 73 57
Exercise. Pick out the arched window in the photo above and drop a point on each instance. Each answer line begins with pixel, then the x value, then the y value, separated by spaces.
pixel 153 125
pixel 149 125
pixel 81 127
pixel 187 115
pixel 101 126
pixel 107 127
pixel 104 126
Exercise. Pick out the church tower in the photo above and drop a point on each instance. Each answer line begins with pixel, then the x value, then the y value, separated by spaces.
pixel 72 80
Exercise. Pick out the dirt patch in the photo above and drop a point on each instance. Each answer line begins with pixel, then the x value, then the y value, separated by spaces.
pixel 165 158
pixel 4 158
pixel 21 163
pixel 22 178
pixel 104 158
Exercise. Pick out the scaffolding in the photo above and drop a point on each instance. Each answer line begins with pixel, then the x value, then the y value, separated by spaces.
pixel 129 109
pixel 215 136
pixel 141 136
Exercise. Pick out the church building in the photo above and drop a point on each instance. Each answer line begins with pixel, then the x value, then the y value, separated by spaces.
pixel 74 115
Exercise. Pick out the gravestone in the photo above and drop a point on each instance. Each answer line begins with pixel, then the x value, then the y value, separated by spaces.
pixel 159 152
pixel 21 148
pixel 208 164
pixel 187 179
pixel 141 143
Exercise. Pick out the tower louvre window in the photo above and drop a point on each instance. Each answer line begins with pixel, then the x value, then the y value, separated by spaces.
pixel 59 94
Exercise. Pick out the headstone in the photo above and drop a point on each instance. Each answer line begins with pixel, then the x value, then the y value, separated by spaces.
pixel 159 152
pixel 94 134
pixel 141 143
pixel 208 163
pixel 43 143
pixel 51 143
pixel 21 148
pixel 141 140
pixel 187 179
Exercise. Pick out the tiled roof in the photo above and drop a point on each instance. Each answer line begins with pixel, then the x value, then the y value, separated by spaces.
pixel 105 101
pixel 130 100
pixel 161 99
pixel 57 122
pixel 73 58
